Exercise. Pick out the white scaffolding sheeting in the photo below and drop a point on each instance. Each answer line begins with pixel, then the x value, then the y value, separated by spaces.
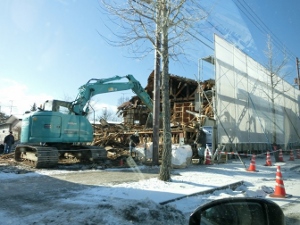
pixel 243 105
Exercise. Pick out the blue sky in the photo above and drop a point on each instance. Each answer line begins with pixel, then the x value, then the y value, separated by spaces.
pixel 49 48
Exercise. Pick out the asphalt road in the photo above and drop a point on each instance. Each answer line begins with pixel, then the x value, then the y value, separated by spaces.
pixel 102 177
pixel 40 193
pixel 291 212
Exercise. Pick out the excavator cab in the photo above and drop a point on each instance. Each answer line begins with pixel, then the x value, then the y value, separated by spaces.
pixel 57 106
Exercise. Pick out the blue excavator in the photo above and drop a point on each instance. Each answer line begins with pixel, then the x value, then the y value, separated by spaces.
pixel 59 127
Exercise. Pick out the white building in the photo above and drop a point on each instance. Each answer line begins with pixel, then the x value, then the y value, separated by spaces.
pixel 13 123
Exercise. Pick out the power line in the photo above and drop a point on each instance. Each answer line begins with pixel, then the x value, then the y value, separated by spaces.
pixel 257 22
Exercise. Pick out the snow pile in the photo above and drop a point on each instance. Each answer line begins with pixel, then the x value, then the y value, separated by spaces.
pixel 181 156
pixel 106 211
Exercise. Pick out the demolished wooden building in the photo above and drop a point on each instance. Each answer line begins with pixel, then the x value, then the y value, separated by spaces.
pixel 188 113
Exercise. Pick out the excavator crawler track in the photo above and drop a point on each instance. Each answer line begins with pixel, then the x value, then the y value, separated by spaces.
pixel 97 153
pixel 37 156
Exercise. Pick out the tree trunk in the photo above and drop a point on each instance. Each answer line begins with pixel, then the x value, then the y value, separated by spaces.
pixel 165 169
pixel 273 86
pixel 274 136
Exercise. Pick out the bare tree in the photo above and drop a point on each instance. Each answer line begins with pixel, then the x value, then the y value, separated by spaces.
pixel 122 100
pixel 138 21
pixel 276 74
pixel 33 107
pixel 165 169
pixel 107 115
pixel 3 117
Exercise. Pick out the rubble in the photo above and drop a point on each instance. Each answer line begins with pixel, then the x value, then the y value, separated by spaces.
pixel 187 115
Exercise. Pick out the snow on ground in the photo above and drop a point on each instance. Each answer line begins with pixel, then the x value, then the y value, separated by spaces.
pixel 139 202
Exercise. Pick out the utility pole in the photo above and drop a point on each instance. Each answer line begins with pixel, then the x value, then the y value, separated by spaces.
pixel 156 82
pixel 11 106
pixel 123 97
pixel 105 113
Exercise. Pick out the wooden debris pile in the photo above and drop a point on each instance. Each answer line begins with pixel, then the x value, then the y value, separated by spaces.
pixel 191 104
pixel 115 138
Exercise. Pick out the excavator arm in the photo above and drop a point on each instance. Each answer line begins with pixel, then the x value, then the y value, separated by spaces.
pixel 100 86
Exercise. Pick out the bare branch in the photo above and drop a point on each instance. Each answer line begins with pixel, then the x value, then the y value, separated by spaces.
pixel 135 21
pixel 276 74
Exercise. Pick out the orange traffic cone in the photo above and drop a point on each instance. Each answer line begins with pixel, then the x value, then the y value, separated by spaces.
pixel 252 167
pixel 207 158
pixel 268 160
pixel 291 156
pixel 280 157
pixel 298 154
pixel 279 188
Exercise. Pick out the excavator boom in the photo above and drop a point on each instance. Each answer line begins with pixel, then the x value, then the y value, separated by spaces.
pixel 100 86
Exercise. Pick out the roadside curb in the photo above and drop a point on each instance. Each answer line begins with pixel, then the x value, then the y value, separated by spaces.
pixel 295 167
pixel 231 186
